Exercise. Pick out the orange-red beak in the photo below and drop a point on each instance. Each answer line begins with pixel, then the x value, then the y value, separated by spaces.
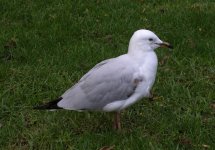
pixel 165 44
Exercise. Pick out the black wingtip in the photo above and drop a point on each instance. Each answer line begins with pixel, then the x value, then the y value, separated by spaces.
pixel 49 105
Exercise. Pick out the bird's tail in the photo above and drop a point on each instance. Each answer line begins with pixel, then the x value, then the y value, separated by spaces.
pixel 49 105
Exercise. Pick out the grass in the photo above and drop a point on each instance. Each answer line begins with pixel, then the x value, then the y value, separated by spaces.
pixel 46 46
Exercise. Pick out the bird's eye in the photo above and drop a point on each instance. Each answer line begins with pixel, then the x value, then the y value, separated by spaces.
pixel 150 39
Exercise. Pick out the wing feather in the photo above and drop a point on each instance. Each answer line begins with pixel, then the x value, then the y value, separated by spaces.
pixel 109 81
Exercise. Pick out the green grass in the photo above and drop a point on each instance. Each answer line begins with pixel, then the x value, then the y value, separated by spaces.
pixel 46 46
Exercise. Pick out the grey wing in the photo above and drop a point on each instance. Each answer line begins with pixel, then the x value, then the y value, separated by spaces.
pixel 107 82
pixel 95 67
pixel 88 74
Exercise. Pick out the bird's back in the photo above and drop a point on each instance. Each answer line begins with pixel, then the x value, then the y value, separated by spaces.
pixel 111 81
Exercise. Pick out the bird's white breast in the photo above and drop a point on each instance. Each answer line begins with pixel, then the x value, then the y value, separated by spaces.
pixel 147 70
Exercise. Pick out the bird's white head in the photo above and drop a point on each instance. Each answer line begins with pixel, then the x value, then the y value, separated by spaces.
pixel 145 40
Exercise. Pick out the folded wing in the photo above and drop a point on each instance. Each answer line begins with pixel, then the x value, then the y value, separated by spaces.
pixel 109 81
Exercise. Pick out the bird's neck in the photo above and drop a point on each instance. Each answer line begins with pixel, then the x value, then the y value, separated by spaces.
pixel 142 54
pixel 138 47
pixel 139 51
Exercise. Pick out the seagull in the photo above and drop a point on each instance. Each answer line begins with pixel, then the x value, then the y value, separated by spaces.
pixel 115 84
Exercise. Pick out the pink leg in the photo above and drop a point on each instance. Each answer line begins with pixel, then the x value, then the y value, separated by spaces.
pixel 151 96
pixel 117 124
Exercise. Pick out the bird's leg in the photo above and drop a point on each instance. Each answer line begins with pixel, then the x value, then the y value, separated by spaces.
pixel 151 96
pixel 117 124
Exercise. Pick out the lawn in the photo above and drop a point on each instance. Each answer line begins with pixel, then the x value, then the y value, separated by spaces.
pixel 47 46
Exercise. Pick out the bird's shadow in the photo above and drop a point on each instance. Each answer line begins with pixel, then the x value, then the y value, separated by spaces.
pixel 92 122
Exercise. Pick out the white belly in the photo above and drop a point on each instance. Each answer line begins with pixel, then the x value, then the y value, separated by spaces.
pixel 147 72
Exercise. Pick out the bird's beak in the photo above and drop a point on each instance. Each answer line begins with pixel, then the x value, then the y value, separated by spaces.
pixel 165 44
